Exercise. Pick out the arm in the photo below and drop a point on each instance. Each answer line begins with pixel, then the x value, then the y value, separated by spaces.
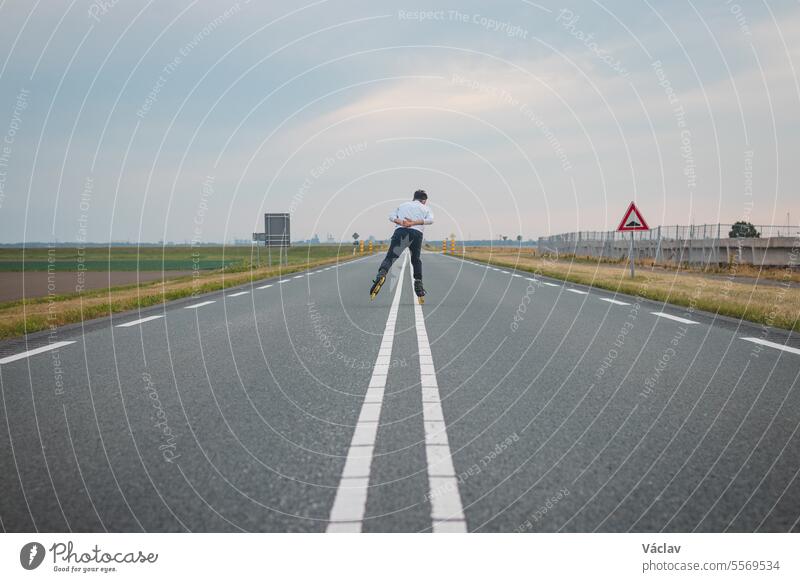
pixel 393 217
pixel 427 220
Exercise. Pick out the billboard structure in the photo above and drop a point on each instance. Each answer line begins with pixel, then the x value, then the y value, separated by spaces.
pixel 276 234
pixel 276 230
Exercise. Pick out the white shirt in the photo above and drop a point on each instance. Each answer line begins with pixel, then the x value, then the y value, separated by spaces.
pixel 414 210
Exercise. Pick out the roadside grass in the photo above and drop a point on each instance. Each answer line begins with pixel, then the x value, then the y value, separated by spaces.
pixel 741 270
pixel 18 318
pixel 775 305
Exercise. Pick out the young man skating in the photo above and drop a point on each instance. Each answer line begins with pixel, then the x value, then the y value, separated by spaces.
pixel 410 219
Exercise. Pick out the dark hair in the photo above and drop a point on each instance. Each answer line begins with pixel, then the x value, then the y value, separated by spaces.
pixel 420 195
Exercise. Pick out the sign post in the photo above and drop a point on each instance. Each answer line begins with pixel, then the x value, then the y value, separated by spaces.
pixel 632 221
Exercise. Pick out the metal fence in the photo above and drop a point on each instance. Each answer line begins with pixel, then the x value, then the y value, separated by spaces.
pixel 694 244
pixel 670 233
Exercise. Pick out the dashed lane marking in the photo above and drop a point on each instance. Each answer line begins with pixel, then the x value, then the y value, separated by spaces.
pixel 614 301
pixel 201 304
pixel 139 321
pixel 777 346
pixel 29 353
pixel 674 317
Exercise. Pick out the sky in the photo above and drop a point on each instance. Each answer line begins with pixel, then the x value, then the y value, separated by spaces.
pixel 126 120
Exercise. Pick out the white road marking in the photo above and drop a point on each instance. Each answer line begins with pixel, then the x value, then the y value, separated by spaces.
pixel 447 512
pixel 298 277
pixel 33 352
pixel 196 305
pixel 515 275
pixel 532 279
pixel 347 513
pixel 578 291
pixel 614 301
pixel 674 317
pixel 284 280
pixel 238 294
pixel 777 346
pixel 504 272
pixel 550 284
pixel 139 321
pixel 265 286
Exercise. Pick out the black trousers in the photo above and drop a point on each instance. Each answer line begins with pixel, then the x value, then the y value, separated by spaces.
pixel 402 239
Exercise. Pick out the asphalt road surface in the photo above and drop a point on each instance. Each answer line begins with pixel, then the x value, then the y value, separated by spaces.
pixel 505 403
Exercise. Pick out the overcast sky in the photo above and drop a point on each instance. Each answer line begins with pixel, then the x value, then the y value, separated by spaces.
pixel 177 120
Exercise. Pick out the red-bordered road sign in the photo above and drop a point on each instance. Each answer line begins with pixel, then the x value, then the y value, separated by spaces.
pixel 632 220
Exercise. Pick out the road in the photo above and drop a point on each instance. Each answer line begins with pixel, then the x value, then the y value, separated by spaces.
pixel 506 402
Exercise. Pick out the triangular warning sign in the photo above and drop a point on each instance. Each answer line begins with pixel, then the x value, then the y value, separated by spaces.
pixel 632 220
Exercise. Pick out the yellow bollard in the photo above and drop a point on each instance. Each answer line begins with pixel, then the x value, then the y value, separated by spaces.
pixel 361 247
pixel 452 246
pixel 370 247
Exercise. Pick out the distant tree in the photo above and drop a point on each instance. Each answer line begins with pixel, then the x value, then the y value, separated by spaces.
pixel 519 238
pixel 743 229
pixel 504 237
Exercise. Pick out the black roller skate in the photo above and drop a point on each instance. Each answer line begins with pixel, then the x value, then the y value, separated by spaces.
pixel 380 279
pixel 419 291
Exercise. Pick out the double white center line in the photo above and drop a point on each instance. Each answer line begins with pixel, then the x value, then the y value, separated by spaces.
pixel 347 514
pixel 447 513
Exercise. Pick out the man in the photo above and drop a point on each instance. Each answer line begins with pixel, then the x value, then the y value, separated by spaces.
pixel 410 219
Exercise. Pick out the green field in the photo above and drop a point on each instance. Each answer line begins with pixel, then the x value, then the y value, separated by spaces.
pixel 38 313
pixel 168 258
